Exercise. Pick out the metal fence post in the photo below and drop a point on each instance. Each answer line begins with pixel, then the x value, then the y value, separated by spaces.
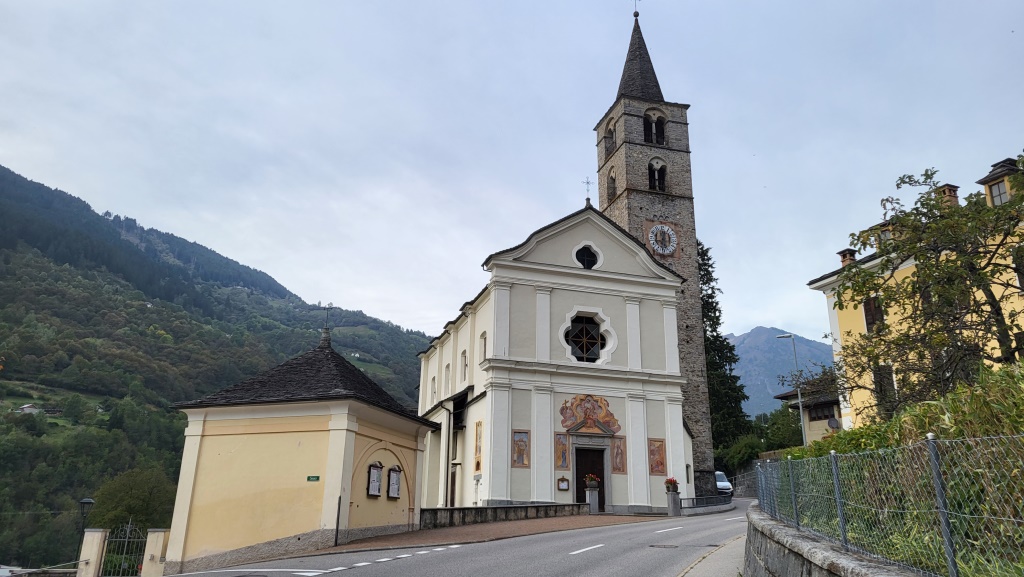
pixel 943 506
pixel 839 499
pixel 760 486
pixel 792 491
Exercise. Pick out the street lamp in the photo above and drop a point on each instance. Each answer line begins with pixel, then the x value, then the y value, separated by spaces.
pixel 799 396
pixel 84 506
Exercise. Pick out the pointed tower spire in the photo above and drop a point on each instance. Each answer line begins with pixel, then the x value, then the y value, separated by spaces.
pixel 638 77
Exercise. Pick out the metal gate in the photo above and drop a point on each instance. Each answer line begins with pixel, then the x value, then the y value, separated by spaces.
pixel 126 546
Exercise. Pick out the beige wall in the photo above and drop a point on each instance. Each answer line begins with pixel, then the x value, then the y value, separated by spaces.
pixel 816 430
pixel 245 492
pixel 382 511
pixel 559 250
pixel 523 322
pixel 652 339
pixel 250 482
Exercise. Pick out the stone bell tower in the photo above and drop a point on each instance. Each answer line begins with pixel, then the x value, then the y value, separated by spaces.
pixel 644 183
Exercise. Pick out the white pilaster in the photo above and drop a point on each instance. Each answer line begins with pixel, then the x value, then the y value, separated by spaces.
pixel 186 487
pixel 420 476
pixel 543 324
pixel 444 460
pixel 675 443
pixel 639 479
pixel 542 470
pixel 671 338
pixel 633 333
pixel 338 474
pixel 502 302
pixel 499 400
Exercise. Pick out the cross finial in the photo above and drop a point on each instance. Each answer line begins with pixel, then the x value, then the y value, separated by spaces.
pixel 327 316
pixel 586 182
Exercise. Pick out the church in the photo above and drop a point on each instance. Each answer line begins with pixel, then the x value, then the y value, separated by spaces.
pixel 584 353
pixel 582 358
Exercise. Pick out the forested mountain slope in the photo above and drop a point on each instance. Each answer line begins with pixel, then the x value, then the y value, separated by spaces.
pixel 97 303
pixel 105 323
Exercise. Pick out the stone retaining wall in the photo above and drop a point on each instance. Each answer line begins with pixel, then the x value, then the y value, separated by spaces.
pixel 777 550
pixel 44 572
pixel 456 516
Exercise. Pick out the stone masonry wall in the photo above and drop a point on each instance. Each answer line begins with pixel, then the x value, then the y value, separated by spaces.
pixel 776 550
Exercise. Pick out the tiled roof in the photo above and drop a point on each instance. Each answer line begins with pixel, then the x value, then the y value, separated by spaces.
pixel 999 170
pixel 318 375
pixel 638 77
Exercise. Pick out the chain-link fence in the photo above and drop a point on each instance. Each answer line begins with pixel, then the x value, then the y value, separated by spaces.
pixel 945 508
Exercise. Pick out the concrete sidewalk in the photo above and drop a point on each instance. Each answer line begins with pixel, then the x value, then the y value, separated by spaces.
pixel 725 561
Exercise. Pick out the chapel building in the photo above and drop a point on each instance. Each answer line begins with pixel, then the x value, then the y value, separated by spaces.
pixel 584 354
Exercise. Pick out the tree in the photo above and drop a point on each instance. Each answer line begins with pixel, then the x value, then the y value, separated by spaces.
pixel 939 293
pixel 726 393
pixel 75 408
pixel 145 496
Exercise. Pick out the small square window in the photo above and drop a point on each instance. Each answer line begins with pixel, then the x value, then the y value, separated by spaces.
pixel 999 194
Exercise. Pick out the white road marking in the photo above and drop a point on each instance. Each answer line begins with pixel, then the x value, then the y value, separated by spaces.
pixel 735 518
pixel 247 570
pixel 439 549
pixel 402 556
pixel 336 569
pixel 362 564
pixel 587 549
pixel 454 546
pixel 308 573
pixel 422 552
pixel 672 529
pixel 383 560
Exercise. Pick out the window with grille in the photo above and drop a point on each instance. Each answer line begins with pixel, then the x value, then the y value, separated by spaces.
pixel 586 257
pixel 585 339
pixel 821 413
pixel 999 194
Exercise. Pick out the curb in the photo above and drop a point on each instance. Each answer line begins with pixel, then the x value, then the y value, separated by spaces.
pixel 708 554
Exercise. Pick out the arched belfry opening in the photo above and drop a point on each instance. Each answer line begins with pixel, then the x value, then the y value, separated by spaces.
pixel 657 174
pixel 654 127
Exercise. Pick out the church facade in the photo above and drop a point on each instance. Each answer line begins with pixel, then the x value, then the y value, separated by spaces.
pixel 584 352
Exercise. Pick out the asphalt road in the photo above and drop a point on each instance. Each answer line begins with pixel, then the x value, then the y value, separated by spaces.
pixel 659 548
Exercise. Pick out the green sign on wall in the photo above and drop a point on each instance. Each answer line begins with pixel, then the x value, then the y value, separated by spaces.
pixel 313 478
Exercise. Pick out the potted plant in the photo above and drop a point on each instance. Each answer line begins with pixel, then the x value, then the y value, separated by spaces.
pixel 671 485
pixel 592 480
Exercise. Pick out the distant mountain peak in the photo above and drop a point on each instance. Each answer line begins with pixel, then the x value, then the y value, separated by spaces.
pixel 763 358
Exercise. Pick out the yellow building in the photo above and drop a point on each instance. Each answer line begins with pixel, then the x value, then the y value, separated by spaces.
pixel 307 455
pixel 850 321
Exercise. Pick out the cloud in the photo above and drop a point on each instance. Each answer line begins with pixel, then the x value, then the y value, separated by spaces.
pixel 374 154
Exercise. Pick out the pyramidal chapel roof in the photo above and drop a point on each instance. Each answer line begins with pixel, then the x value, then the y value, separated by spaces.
pixel 319 374
pixel 638 77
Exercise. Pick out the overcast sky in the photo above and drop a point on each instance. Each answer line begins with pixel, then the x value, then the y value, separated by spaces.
pixel 373 154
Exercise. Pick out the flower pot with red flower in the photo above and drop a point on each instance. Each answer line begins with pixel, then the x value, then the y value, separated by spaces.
pixel 671 485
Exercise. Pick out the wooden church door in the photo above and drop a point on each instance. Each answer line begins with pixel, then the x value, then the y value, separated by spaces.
pixel 590 461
